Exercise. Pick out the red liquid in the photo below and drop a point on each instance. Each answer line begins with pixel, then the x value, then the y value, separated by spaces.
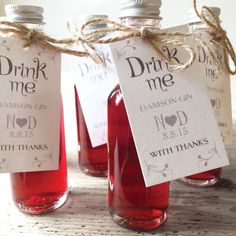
pixel 43 191
pixel 77 115
pixel 131 204
pixel 92 160
pixel 204 179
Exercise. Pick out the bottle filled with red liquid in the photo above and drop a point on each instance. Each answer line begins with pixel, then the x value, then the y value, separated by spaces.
pixel 77 117
pixel 131 203
pixel 92 160
pixel 41 191
pixel 211 177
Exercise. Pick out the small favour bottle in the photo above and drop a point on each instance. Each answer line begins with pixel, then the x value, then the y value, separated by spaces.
pixel 40 191
pixel 92 160
pixel 211 177
pixel 131 203
pixel 77 116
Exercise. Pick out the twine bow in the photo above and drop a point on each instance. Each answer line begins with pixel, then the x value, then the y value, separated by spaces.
pixel 219 36
pixel 116 32
pixel 31 36
pixel 83 43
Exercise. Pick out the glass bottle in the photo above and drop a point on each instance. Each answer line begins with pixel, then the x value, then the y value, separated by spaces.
pixel 211 177
pixel 131 204
pixel 92 160
pixel 77 118
pixel 42 191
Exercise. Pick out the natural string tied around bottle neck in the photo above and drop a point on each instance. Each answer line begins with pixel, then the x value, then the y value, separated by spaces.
pixel 156 37
pixel 219 36
pixel 82 43
pixel 115 32
pixel 31 36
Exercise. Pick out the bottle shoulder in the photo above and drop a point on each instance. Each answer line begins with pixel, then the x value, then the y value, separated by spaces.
pixel 115 92
pixel 115 98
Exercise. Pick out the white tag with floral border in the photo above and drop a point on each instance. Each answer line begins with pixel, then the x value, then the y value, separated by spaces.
pixel 94 82
pixel 170 114
pixel 217 82
pixel 29 107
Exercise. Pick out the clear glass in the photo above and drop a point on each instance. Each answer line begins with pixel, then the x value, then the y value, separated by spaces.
pixel 211 177
pixel 42 191
pixel 138 22
pixel 131 204
pixel 92 160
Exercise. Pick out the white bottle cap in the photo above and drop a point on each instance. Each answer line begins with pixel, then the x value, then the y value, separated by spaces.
pixel 193 17
pixel 24 13
pixel 140 8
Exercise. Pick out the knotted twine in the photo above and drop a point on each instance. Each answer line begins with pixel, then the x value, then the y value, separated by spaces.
pixel 156 37
pixel 31 36
pixel 219 36
pixel 115 32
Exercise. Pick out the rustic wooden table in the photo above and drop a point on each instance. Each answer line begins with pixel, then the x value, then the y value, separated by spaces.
pixel 193 211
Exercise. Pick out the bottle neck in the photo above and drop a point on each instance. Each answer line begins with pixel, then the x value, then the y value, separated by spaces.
pixel 39 27
pixel 92 26
pixel 30 25
pixel 196 27
pixel 139 22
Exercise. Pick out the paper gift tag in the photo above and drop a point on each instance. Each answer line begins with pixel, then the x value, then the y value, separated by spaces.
pixel 94 82
pixel 218 85
pixel 217 82
pixel 170 114
pixel 29 107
